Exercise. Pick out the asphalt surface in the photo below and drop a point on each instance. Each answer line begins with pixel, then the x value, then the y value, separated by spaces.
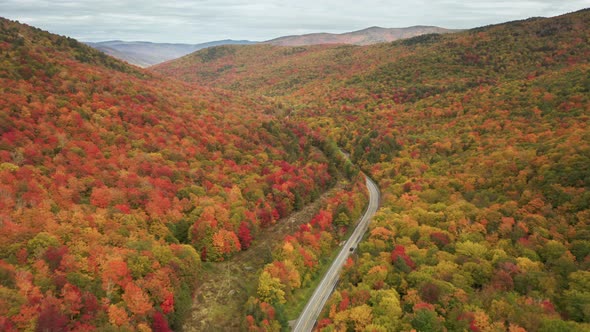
pixel 310 313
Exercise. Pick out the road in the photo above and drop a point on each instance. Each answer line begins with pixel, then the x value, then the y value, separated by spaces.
pixel 314 306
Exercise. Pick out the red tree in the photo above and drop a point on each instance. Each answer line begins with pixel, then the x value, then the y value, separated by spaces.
pixel 160 324
pixel 51 320
pixel 244 235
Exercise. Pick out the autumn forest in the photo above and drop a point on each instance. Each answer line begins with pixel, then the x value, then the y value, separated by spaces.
pixel 130 197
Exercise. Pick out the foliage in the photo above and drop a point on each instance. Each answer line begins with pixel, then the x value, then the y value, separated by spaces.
pixel 298 259
pixel 479 141
pixel 113 181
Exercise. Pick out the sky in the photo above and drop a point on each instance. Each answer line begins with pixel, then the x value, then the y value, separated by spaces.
pixel 198 21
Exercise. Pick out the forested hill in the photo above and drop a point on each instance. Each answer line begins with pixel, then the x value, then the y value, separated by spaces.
pixel 368 36
pixel 506 51
pixel 481 145
pixel 145 54
pixel 115 184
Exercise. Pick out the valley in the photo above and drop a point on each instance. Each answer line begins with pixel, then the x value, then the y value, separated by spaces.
pixel 145 54
pixel 226 286
pixel 210 193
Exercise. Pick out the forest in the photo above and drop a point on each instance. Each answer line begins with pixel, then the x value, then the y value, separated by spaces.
pixel 116 184
pixel 120 187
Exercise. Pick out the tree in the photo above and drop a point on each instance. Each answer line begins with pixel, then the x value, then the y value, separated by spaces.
pixel 361 316
pixel 244 235
pixel 168 303
pixel 159 323
pixel 72 299
pixel 115 272
pixel 471 249
pixel 51 319
pixel 270 289
pixel 577 297
pixel 224 243
pixel 101 197
pixel 54 256
pixel 136 300
pixel 425 321
pixel 430 292
pixel 388 311
pixel 118 315
pixel 401 260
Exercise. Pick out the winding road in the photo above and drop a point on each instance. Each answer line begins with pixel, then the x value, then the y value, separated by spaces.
pixel 314 306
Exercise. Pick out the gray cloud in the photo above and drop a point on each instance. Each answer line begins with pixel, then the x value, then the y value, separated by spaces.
pixel 206 20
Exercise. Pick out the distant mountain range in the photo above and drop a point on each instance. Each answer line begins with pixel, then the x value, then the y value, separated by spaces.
pixel 367 36
pixel 145 54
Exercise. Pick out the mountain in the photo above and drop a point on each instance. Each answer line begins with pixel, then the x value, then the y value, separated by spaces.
pixel 116 183
pixel 367 36
pixel 159 199
pixel 480 143
pixel 145 54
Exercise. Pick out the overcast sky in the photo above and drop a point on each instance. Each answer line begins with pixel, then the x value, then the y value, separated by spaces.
pixel 197 21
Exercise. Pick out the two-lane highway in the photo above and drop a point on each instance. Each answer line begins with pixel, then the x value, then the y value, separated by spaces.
pixel 314 306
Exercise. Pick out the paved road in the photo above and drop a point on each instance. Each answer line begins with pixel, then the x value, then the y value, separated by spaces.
pixel 314 306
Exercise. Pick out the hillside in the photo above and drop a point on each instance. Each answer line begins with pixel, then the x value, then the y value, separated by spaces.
pixel 271 69
pixel 480 143
pixel 268 69
pixel 130 200
pixel 145 54
pixel 116 183
pixel 368 36
pixel 274 70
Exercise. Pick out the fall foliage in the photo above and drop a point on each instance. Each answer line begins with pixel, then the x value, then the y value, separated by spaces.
pixel 479 142
pixel 116 183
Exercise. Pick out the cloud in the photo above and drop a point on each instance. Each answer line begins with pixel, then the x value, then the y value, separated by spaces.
pixel 205 20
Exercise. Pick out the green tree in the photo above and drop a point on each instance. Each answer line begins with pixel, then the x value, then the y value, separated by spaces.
pixel 426 321
pixel 388 310
pixel 577 297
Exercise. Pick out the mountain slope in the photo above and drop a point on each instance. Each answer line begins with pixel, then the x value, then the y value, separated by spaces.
pixel 115 183
pixel 480 143
pixel 263 68
pixel 274 70
pixel 145 54
pixel 372 35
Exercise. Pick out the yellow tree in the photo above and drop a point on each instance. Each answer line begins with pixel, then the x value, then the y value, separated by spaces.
pixel 270 289
pixel 361 316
